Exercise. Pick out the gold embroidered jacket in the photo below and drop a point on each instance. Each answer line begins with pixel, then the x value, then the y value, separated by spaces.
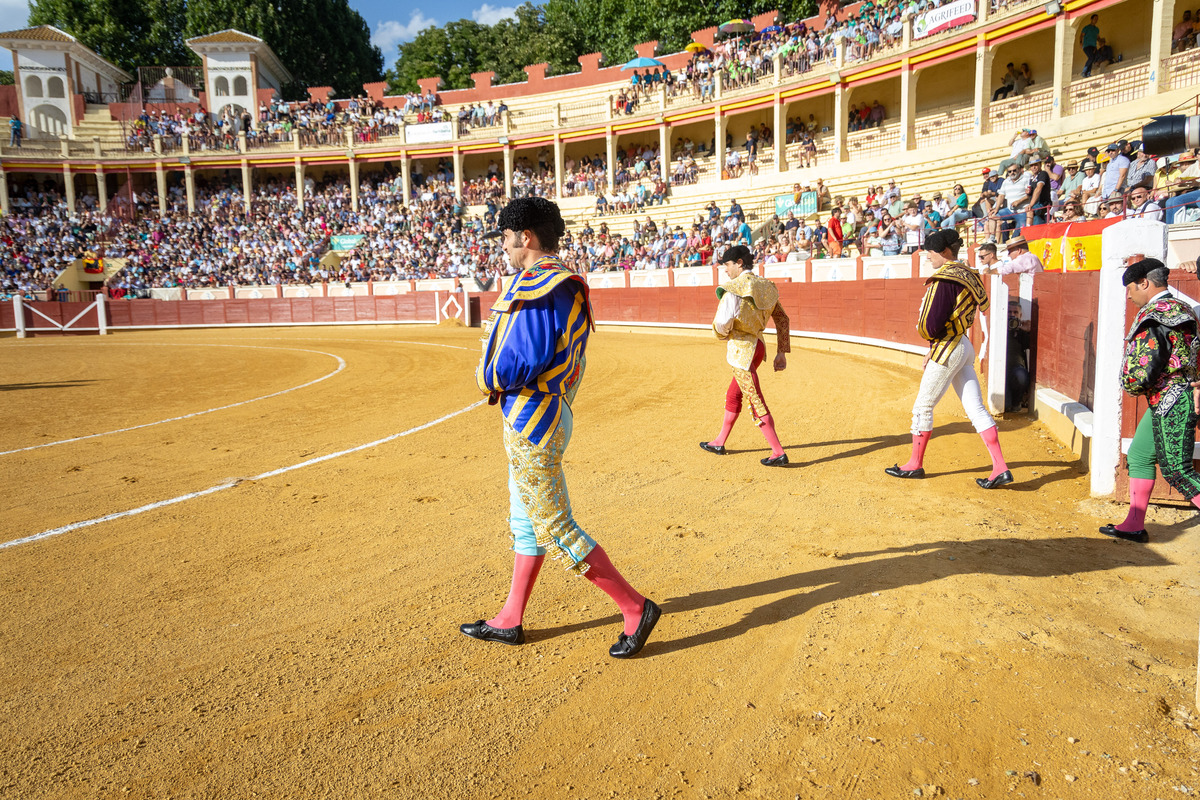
pixel 758 301
pixel 948 310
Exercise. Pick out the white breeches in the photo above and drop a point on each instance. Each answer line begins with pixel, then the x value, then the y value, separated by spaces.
pixel 959 373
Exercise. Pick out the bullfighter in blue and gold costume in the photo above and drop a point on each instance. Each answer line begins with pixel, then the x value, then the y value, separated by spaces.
pixel 1160 364
pixel 532 365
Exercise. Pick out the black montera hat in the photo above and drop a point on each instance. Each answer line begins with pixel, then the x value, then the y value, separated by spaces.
pixel 739 253
pixel 939 240
pixel 1138 270
pixel 527 213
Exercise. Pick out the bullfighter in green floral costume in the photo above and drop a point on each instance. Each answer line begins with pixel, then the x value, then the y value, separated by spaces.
pixel 1161 352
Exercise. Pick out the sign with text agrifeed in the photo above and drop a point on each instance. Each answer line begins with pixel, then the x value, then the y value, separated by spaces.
pixel 944 17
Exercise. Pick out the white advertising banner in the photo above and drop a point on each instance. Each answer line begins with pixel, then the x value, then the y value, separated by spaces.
pixel 428 132
pixel 946 16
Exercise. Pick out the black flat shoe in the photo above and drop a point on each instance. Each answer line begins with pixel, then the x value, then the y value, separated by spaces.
pixel 628 646
pixel 719 449
pixel 777 461
pixel 1133 536
pixel 481 630
pixel 896 472
pixel 1003 479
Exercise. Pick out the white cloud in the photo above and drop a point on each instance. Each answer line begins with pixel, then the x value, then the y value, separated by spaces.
pixel 487 14
pixel 389 33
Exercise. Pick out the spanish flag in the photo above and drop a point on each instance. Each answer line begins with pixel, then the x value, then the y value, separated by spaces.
pixel 1068 246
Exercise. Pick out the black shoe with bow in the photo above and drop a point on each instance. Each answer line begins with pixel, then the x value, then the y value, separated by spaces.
pixel 629 645
pixel 481 630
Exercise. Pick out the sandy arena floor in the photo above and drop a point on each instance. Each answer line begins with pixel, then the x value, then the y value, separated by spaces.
pixel 827 632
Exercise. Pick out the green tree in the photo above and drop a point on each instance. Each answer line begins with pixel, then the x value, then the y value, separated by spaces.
pixel 129 33
pixel 6 77
pixel 559 31
pixel 322 42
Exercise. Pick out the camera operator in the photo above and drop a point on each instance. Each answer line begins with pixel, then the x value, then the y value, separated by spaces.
pixel 1016 383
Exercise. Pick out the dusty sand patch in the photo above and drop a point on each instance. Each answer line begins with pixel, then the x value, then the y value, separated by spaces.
pixel 827 632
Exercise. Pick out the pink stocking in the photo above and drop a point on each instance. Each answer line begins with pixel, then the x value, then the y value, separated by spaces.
pixel 1139 500
pixel 726 427
pixel 767 426
pixel 602 573
pixel 920 442
pixel 992 440
pixel 525 572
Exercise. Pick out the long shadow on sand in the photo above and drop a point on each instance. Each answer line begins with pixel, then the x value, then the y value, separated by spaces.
pixel 885 570
pixel 16 387
pixel 866 445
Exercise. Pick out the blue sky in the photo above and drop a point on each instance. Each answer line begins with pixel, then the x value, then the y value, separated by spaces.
pixel 391 23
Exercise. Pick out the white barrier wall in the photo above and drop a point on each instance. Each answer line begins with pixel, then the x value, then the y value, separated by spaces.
pixel 834 269
pixel 694 276
pixel 614 280
pixel 212 293
pixel 643 279
pixel 885 267
pixel 390 288
pixel 793 271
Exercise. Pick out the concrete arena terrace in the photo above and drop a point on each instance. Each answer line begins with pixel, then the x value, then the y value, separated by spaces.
pixel 826 632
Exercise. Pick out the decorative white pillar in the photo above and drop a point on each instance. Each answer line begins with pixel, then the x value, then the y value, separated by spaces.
pixel 19 315
pixel 102 313
pixel 509 156
pixel 839 122
pixel 908 106
pixel 664 152
pixel 559 165
pixel 160 181
pixel 984 56
pixel 1064 51
pixel 610 150
pixel 781 164
pixel 69 187
pixel 719 138
pixel 246 187
pixel 189 187
pixel 1161 16
pixel 299 185
pixel 456 159
pixel 353 182
pixel 101 189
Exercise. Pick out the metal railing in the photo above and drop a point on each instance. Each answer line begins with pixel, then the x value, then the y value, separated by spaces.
pixel 944 125
pixel 872 142
pixel 584 112
pixel 1111 88
pixel 1182 69
pixel 1017 112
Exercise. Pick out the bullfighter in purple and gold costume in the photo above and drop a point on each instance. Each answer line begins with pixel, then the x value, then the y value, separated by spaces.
pixel 532 365
pixel 747 302
pixel 1160 364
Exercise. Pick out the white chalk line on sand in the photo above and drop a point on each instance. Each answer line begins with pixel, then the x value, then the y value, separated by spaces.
pixel 341 366
pixel 353 341
pixel 229 484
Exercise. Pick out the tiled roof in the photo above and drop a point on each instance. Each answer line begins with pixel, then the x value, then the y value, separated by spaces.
pixel 45 33
pixel 230 36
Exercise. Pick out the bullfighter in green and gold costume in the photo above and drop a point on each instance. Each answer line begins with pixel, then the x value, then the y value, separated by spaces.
pixel 532 365
pixel 1161 352
pixel 747 302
